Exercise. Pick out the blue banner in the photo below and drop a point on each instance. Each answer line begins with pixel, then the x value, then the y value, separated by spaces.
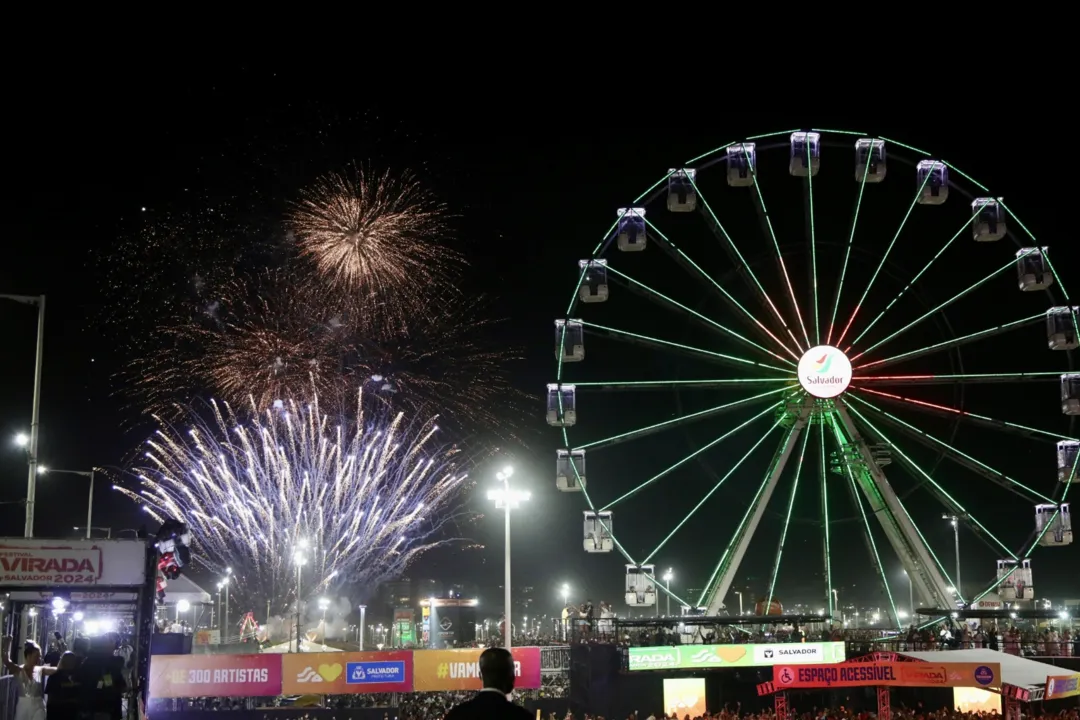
pixel 366 673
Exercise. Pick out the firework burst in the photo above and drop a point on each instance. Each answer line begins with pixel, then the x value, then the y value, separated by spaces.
pixel 364 497
pixel 378 238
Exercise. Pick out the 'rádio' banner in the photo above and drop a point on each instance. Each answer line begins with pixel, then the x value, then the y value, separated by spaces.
pixel 1062 686
pixel 186 676
pixel 339 673
pixel 904 674
pixel 436 670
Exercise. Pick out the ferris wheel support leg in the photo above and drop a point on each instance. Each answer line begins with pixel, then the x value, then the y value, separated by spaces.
pixel 729 565
pixel 900 531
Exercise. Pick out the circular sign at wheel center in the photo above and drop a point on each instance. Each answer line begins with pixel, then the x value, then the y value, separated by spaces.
pixel 824 371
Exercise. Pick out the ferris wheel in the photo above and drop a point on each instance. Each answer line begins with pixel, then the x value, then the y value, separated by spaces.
pixel 771 325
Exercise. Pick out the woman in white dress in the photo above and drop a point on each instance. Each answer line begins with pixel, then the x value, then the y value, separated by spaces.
pixel 30 676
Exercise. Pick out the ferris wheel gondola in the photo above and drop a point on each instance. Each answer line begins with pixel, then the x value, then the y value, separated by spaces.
pixel 811 375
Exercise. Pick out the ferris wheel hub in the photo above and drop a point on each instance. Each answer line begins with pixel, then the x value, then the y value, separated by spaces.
pixel 824 371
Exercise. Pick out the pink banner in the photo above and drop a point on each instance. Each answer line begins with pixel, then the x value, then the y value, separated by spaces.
pixel 175 676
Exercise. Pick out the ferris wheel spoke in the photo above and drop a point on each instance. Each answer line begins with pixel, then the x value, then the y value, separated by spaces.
pixel 627 336
pixel 706 384
pixel 787 521
pixel 823 476
pixel 716 589
pixel 915 279
pixel 658 296
pixel 885 257
pixel 684 260
pixel 711 492
pixel 811 236
pixel 961 379
pixel 951 504
pixel 974 418
pixel 767 227
pixel 956 342
pixel 847 259
pixel 672 468
pixel 679 421
pixel 956 455
pixel 937 309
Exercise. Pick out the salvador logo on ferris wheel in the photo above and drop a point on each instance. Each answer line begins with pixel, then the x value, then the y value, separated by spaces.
pixel 824 371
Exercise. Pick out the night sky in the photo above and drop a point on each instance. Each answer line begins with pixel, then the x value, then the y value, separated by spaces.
pixel 533 194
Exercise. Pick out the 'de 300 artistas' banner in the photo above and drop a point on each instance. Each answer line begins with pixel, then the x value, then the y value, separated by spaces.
pixel 688 657
pixel 907 674
pixel 179 676
pixel 460 669
pixel 347 672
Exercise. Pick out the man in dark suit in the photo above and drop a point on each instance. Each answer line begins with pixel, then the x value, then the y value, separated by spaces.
pixel 491 703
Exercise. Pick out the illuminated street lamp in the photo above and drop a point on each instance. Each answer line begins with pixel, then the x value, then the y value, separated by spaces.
pixel 42 470
pixel 300 560
pixel 507 500
pixel 668 577
pixel 955 522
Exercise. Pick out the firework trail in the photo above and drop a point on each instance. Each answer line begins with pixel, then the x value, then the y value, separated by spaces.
pixel 364 497
pixel 378 238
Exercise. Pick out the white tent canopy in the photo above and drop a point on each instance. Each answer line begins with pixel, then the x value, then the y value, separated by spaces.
pixel 1015 670
pixel 305 646
pixel 183 588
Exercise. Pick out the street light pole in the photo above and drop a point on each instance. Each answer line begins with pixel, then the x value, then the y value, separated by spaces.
pixel 737 592
pixel 363 612
pixel 956 542
pixel 507 500
pixel 668 575
pixel 35 413
pixel 300 558
pixel 911 594
pixel 42 470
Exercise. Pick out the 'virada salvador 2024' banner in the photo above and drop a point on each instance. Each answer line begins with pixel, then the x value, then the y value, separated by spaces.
pixel 329 673
pixel 689 657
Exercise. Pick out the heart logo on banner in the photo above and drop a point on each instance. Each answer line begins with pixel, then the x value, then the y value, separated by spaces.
pixel 330 673
pixel 726 653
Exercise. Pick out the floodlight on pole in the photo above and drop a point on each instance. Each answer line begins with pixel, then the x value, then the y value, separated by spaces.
pixel 507 500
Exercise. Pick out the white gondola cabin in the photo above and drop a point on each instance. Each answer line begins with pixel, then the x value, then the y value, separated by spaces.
pixel 561 405
pixel 1070 394
pixel 988 219
pixel 1016 584
pixel 1056 521
pixel 594 285
pixel 630 229
pixel 741 164
pixel 570 470
pixel 598 538
pixel 869 160
pixel 681 195
pixel 1032 270
pixel 1068 452
pixel 805 154
pixel 569 340
pixel 640 586
pixel 933 179
pixel 1061 327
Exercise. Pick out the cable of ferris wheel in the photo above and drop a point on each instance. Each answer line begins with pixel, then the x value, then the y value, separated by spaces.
pixel 958 379
pixel 654 294
pixel 711 492
pixel 678 421
pixel 847 259
pixel 616 333
pixel 1002 425
pixel 717 228
pixel 888 250
pixel 766 221
pixel 952 504
pixel 689 265
pixel 667 471
pixel 937 309
pixel 914 280
pixel 787 523
pixel 994 475
pixel 956 342
pixel 813 247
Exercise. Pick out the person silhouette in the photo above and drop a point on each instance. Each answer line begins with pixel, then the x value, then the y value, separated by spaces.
pixel 497 674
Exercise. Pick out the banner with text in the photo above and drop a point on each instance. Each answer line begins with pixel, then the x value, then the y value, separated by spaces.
pixel 187 676
pixel 436 670
pixel 905 674
pixel 690 657
pixel 339 673
pixel 1062 686
pixel 72 563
